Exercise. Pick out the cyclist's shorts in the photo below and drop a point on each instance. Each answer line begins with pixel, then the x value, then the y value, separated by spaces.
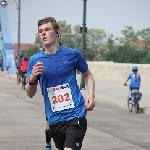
pixel 134 88
pixel 22 73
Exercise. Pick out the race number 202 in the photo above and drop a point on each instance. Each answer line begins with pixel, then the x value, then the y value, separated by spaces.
pixel 61 98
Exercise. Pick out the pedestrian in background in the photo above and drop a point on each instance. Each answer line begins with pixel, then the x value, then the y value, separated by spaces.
pixel 7 70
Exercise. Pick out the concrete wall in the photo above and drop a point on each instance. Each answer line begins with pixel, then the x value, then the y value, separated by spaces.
pixel 118 71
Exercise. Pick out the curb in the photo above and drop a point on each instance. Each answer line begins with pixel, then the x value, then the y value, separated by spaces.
pixel 12 77
pixel 141 110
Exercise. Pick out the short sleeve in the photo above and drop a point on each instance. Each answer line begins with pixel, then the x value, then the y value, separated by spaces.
pixel 129 77
pixel 81 64
pixel 139 78
pixel 30 66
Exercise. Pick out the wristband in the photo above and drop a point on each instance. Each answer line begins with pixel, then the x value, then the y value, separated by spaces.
pixel 32 83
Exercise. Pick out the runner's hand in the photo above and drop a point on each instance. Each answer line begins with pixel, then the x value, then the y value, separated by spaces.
pixel 90 104
pixel 38 69
pixel 125 84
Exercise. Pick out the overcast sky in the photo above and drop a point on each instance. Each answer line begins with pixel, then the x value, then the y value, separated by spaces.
pixel 110 15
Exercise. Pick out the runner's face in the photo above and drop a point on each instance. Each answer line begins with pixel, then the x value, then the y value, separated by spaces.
pixel 47 34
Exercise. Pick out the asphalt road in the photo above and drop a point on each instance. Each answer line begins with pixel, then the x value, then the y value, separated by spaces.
pixel 22 124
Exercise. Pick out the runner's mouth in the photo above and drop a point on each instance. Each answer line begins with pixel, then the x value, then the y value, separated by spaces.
pixel 44 39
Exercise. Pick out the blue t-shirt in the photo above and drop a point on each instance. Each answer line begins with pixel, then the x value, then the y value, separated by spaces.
pixel 7 68
pixel 134 80
pixel 62 97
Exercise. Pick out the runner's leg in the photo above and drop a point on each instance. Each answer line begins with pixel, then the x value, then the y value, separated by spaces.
pixel 48 139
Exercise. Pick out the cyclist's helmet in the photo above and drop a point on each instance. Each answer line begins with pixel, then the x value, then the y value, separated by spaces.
pixel 134 68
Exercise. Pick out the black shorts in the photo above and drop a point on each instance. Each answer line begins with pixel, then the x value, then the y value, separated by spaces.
pixel 22 73
pixel 69 134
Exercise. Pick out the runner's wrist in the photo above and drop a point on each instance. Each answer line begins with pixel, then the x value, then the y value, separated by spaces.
pixel 93 95
pixel 32 80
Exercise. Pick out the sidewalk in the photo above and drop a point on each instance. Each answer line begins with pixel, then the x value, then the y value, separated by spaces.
pixel 113 93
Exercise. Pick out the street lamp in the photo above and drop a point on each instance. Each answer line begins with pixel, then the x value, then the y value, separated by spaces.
pixel 83 30
pixel 4 3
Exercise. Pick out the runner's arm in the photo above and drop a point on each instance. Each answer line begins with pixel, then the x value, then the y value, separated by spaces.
pixel 90 104
pixel 89 82
pixel 31 90
pixel 32 78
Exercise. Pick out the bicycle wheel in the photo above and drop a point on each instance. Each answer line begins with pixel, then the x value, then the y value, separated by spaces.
pixel 23 86
pixel 135 106
pixel 24 82
pixel 18 80
pixel 130 105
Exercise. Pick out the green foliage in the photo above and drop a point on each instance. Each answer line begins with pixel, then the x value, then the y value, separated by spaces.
pixel 38 41
pixel 125 54
pixel 31 51
pixel 129 33
pixel 89 56
pixel 98 57
pixel 145 35
pixel 95 38
pixel 100 46
pixel 146 60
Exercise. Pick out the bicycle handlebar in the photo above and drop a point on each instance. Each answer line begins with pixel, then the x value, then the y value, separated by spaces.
pixel 126 85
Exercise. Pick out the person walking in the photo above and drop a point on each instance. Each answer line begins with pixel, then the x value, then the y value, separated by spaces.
pixel 55 69
pixel 7 70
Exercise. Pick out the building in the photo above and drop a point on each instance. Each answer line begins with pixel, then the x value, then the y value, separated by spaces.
pixel 143 44
pixel 23 47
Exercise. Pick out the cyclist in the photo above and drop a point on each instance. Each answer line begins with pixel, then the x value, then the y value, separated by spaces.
pixel 24 67
pixel 18 63
pixel 134 78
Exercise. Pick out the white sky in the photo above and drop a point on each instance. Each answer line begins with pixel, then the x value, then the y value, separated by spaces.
pixel 110 15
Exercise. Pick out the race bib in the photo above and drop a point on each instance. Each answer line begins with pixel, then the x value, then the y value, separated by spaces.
pixel 60 97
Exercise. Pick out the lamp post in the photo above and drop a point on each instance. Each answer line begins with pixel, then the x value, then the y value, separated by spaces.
pixel 83 30
pixel 4 3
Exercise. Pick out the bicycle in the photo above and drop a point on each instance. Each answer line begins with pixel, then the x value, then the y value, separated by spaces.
pixel 18 77
pixel 133 100
pixel 24 80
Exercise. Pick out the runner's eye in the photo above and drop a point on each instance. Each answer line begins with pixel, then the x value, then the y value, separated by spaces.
pixel 40 31
pixel 47 29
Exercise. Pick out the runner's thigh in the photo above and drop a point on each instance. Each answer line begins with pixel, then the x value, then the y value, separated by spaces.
pixel 75 133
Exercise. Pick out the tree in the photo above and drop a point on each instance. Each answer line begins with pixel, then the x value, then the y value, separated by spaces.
pixel 66 38
pixel 38 41
pixel 110 42
pixel 145 35
pixel 146 60
pixel 31 51
pixel 125 54
pixel 95 39
pixel 129 36
pixel 77 37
